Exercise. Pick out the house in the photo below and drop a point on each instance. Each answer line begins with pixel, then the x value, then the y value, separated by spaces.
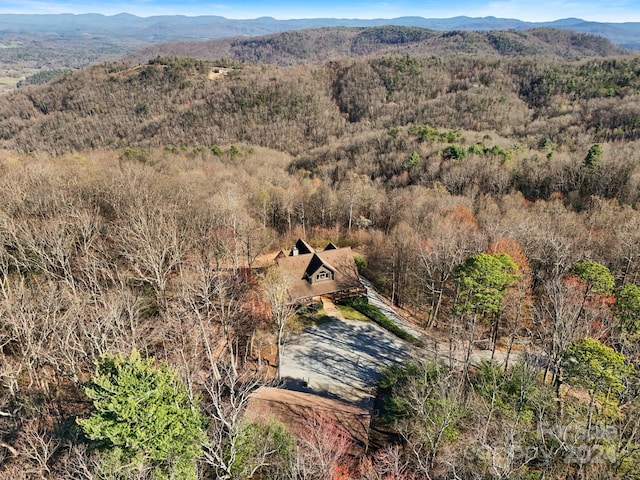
pixel 312 274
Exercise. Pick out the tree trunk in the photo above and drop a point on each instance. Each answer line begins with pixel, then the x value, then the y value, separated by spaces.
pixel 514 330
pixel 494 335
pixel 467 359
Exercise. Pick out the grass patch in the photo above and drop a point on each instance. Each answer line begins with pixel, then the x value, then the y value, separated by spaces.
pixel 351 313
pixel 305 319
pixel 9 81
pixel 373 313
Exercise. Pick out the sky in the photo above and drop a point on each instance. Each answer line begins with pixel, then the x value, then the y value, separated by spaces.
pixel 527 10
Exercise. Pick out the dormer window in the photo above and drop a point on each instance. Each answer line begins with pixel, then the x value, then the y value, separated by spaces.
pixel 322 276
pixel 317 270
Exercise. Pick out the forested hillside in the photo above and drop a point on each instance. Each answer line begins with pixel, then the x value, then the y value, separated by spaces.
pixel 494 198
pixel 313 45
pixel 169 101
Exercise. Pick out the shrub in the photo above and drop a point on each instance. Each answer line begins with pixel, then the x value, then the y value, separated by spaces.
pixel 454 152
pixel 372 312
pixel 361 262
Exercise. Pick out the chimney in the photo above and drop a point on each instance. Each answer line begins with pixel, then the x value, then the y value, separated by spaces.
pixel 294 251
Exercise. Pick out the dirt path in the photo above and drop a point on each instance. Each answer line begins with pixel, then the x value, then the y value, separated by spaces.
pixel 452 353
pixel 331 310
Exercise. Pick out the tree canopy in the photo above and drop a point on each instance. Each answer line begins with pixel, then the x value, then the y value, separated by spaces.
pixel 597 276
pixel 143 417
pixel 483 280
pixel 628 308
pixel 596 367
pixel 593 159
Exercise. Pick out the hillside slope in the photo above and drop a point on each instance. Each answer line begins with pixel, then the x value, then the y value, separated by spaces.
pixel 312 45
pixel 183 102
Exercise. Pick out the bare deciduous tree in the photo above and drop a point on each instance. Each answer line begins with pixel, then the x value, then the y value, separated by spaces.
pixel 154 243
pixel 276 293
pixel 388 463
pixel 37 447
pixel 322 448
pixel 225 402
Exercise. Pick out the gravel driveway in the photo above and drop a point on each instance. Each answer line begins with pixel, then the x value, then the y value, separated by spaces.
pixel 341 359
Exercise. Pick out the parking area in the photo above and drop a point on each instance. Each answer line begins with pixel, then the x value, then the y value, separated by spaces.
pixel 341 359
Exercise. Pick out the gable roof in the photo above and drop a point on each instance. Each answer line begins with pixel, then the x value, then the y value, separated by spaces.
pixel 303 247
pixel 314 265
pixel 299 268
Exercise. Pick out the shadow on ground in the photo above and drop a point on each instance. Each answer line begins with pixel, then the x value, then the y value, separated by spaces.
pixel 341 359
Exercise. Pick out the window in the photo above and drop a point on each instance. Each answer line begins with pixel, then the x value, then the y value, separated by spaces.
pixel 322 276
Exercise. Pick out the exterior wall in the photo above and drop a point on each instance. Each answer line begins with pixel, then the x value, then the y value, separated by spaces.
pixel 323 273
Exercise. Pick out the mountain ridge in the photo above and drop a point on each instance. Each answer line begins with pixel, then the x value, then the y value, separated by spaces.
pixel 146 29
pixel 296 47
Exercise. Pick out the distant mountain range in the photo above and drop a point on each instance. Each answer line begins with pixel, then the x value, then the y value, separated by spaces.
pixel 132 29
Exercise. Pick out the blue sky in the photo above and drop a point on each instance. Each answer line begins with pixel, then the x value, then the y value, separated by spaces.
pixel 542 10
